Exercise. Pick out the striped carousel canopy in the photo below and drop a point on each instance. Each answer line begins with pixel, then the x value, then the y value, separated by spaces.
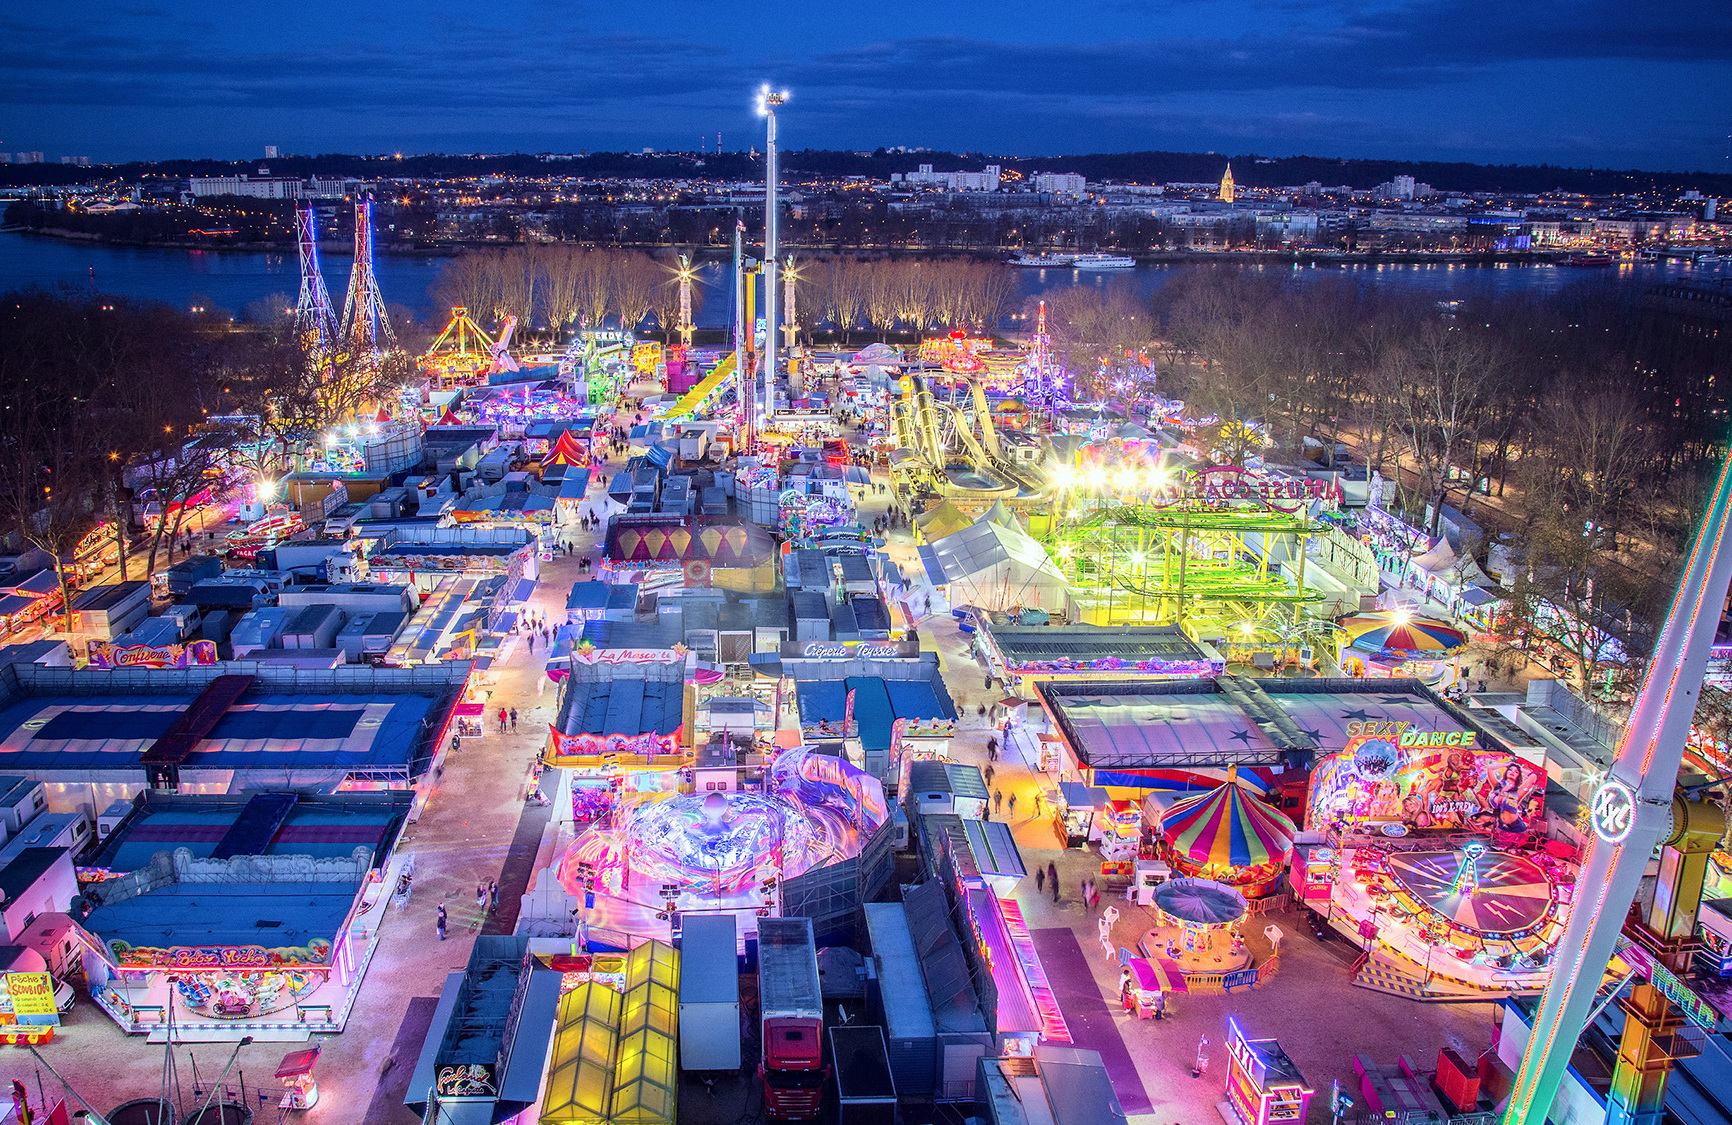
pixel 1228 827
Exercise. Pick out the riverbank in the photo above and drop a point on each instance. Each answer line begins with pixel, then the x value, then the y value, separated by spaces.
pixel 452 247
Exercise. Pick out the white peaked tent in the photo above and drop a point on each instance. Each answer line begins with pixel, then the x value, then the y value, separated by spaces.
pixel 995 565
pixel 883 355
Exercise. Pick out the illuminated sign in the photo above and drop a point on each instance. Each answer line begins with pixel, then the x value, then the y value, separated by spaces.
pixel 1612 811
pixel 850 650
pixel 629 655
pixel 1401 733
pixel 1681 994
pixel 473 1080
pixel 106 655
pixel 32 996
pixel 316 954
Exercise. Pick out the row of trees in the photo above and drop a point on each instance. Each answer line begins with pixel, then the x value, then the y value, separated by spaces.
pixel 559 287
pixel 563 287
pixel 1559 422
pixel 104 401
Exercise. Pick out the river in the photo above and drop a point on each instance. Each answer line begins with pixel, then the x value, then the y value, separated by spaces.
pixel 233 279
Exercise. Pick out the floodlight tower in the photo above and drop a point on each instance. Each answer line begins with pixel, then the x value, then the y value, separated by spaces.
pixel 768 102
pixel 1632 811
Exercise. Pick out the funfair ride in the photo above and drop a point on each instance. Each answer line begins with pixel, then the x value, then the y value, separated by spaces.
pixel 1147 545
pixel 943 449
pixel 722 851
pixel 315 320
pixel 366 328
pixel 1635 809
pixel 461 353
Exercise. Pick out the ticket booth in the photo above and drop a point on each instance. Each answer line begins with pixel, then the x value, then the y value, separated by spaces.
pixel 1150 873
pixel 1077 811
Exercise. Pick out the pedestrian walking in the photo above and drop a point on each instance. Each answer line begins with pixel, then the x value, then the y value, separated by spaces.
pixel 493 894
pixel 992 748
pixel 1013 804
pixel 441 923
pixel 1038 798
pixel 502 720
pixel 481 896
pixel 989 772
pixel 514 720
pixel 1039 880
pixel 997 800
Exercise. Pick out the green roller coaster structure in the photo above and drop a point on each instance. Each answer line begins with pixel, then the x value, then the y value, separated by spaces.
pixel 1146 564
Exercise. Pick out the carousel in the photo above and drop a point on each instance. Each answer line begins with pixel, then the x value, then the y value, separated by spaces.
pixel 1230 836
pixel 1199 932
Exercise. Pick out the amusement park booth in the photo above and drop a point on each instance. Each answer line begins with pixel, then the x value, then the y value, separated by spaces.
pixel 244 944
pixel 1032 654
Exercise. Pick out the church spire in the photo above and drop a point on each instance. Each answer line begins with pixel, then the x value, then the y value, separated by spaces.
pixel 1227 185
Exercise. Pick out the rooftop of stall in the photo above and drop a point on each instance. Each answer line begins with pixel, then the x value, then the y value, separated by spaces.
pixel 262 823
pixel 1057 1086
pixel 499 1009
pixel 1144 650
pixel 1232 720
pixel 71 727
pixel 589 595
pixel 290 914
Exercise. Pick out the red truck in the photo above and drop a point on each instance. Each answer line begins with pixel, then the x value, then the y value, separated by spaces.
pixel 791 1008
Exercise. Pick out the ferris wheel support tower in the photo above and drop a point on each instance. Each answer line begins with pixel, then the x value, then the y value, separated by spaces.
pixel 1632 812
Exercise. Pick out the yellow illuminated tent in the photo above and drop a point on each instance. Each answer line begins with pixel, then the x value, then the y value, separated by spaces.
pixel 615 1055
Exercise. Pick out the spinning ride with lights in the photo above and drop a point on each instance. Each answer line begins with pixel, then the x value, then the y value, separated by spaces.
pixel 723 850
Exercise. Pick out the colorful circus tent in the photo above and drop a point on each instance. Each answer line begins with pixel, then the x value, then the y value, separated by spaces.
pixel 1230 836
pixel 1398 633
pixel 565 451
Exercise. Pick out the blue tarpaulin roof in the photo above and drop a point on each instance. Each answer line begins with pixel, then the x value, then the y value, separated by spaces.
pixel 269 731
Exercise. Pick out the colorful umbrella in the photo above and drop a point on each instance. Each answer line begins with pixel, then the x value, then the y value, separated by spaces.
pixel 1201 902
pixel 1399 633
pixel 1228 827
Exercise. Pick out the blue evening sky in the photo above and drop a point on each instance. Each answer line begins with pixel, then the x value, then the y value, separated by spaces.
pixel 1602 82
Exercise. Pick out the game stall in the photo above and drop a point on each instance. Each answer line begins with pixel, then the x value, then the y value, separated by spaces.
pixel 1264 1085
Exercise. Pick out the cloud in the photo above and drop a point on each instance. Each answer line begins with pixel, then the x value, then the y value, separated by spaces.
pixel 1131 72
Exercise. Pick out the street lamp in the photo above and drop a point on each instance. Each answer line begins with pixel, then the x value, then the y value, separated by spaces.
pixel 768 101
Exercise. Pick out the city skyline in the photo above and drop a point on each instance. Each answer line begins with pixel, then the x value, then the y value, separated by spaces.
pixel 1596 84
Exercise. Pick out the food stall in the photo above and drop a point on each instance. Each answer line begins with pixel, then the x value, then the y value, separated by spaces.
pixel 1074 812
pixel 1263 1084
pixel 300 1091
pixel 1145 984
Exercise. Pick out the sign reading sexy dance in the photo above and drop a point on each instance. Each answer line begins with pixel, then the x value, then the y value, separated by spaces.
pixel 104 654
pixel 1391 772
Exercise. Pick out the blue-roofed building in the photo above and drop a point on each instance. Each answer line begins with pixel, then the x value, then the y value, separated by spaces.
pixel 235 944
pixel 906 710
pixel 623 700
pixel 95 737
pixel 267 822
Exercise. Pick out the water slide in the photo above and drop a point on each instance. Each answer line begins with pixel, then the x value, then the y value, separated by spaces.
pixel 983 413
pixel 709 385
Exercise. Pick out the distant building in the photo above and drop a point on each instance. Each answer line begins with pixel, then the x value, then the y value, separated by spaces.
pixel 986 180
pixel 1403 186
pixel 80 161
pixel 258 187
pixel 30 158
pixel 1062 183
pixel 270 152
pixel 5 158
pixel 1227 185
